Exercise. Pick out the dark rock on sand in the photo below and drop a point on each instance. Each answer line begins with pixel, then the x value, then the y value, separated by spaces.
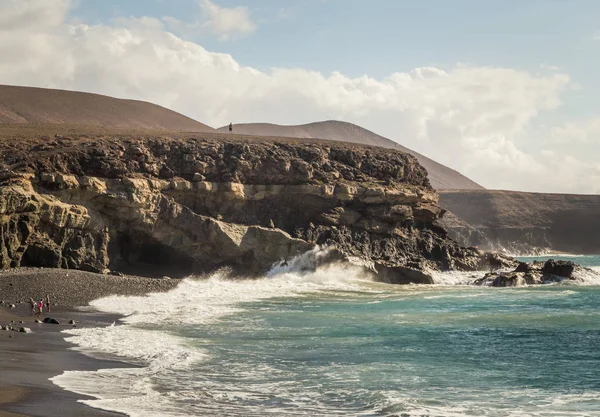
pixel 25 330
pixel 49 320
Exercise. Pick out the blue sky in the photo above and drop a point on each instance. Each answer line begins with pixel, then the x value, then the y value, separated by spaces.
pixel 481 86
pixel 391 34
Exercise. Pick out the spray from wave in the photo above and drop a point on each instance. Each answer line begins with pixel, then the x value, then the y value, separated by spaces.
pixel 196 301
pixel 149 334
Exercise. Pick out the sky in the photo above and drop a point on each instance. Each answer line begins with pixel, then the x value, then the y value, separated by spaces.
pixel 506 92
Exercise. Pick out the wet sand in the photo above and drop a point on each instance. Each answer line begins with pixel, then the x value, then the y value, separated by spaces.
pixel 28 360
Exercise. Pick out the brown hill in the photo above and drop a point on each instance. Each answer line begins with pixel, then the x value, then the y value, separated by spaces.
pixel 441 176
pixel 522 222
pixel 28 105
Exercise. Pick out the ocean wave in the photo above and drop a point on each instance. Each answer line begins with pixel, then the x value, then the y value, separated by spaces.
pixel 534 403
pixel 195 301
pixel 587 276
pixel 452 278
pixel 146 337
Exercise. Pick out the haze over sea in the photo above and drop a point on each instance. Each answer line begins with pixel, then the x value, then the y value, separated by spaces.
pixel 333 343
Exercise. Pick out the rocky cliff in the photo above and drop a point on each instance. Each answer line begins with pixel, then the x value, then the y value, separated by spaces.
pixel 440 176
pixel 178 204
pixel 523 222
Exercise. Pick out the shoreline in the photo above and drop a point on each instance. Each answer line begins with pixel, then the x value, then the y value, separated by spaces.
pixel 30 360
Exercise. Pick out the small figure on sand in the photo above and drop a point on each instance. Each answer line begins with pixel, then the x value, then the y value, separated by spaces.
pixel 40 307
pixel 32 304
pixel 48 302
pixel 230 127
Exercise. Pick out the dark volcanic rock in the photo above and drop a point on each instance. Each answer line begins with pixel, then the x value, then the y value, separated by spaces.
pixel 532 274
pixel 559 268
pixel 509 279
pixel 172 206
pixel 402 275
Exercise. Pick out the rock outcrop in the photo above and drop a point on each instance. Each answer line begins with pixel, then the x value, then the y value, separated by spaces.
pixel 532 274
pixel 176 205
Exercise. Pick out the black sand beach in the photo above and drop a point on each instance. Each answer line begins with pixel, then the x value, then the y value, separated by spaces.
pixel 27 361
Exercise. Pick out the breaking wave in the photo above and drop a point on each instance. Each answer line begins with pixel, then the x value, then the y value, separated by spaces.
pixel 179 342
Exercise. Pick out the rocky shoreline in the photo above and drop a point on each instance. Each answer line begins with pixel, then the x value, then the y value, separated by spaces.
pixel 535 273
pixel 29 360
pixel 174 205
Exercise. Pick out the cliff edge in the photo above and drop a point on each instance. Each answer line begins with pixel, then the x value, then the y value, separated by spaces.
pixel 175 204
pixel 441 176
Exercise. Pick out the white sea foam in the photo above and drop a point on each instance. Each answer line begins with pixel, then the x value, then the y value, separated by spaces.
pixel 533 403
pixel 456 277
pixel 588 276
pixel 193 301
pixel 143 337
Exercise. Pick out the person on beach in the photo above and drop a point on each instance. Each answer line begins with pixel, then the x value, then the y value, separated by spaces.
pixel 48 302
pixel 230 127
pixel 40 306
pixel 32 304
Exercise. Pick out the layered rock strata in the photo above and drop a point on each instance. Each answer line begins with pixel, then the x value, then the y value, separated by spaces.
pixel 179 205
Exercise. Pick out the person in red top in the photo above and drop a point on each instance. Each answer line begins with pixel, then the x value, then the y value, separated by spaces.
pixel 40 306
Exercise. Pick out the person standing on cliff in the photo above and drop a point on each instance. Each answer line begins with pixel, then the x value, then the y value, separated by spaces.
pixel 230 127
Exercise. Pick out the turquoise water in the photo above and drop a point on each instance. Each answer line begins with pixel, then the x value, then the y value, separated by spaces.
pixel 583 260
pixel 331 344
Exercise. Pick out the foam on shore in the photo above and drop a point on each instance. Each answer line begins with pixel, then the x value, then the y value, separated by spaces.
pixel 149 334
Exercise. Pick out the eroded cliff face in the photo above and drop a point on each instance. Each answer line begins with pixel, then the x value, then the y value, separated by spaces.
pixel 523 223
pixel 178 205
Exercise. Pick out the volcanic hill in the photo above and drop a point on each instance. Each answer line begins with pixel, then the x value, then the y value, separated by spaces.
pixel 29 105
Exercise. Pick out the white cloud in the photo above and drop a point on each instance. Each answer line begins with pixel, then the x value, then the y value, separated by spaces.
pixel 584 131
pixel 466 117
pixel 226 23
pixel 32 14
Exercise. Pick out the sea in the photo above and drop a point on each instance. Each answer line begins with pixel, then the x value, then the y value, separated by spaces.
pixel 333 343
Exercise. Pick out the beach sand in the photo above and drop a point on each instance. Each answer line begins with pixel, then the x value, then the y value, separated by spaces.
pixel 27 361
